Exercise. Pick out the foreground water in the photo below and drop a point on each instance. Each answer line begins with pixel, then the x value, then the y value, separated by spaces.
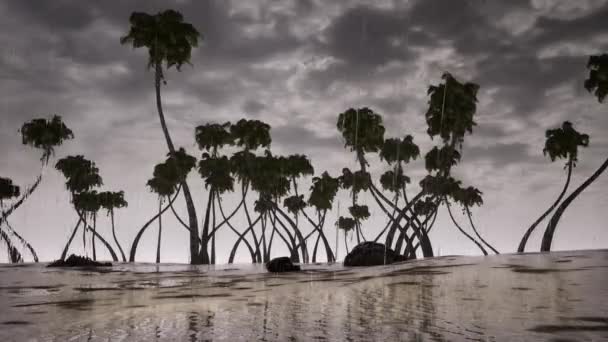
pixel 559 297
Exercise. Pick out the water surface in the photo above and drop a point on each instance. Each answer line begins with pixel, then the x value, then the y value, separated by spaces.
pixel 546 297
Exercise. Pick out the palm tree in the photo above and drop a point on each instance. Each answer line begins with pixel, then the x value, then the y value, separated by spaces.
pixel 8 191
pixel 88 203
pixel 44 134
pixel 216 172
pixel 468 197
pixel 169 41
pixel 561 143
pixel 249 135
pixel 322 194
pixel 167 178
pixel 81 175
pixel 597 84
pixel 110 201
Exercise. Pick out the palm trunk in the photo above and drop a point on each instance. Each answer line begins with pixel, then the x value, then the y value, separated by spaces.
pixel 122 253
pixel 104 242
pixel 213 229
pixel 548 236
pixel 242 238
pixel 67 245
pixel 135 243
pixel 160 229
pixel 94 233
pixel 194 252
pixel 462 231
pixel 84 235
pixel 477 233
pixel 524 239
pixel 6 213
pixel 204 256
pixel 22 240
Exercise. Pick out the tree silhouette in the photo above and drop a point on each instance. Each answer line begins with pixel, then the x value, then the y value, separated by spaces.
pixel 596 84
pixel 169 41
pixel 562 143
pixel 166 179
pixel 44 134
pixel 82 175
pixel 110 201
pixel 8 191
pixel 216 171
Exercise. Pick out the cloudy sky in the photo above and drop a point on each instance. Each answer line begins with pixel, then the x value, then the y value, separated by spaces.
pixel 296 65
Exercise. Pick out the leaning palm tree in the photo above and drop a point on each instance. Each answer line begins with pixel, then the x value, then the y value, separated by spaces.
pixel 44 134
pixel 597 84
pixel 169 41
pixel 561 143
pixel 110 201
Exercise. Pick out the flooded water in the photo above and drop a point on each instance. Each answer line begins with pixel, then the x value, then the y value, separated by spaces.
pixel 533 297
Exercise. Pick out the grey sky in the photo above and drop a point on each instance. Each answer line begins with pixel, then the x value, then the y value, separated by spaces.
pixel 296 65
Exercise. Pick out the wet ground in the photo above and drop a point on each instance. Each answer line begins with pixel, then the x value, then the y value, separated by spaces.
pixel 533 297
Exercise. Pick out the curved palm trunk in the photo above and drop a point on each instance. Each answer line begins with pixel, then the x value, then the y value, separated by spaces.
pixel 548 236
pixel 22 241
pixel 84 235
pixel 477 233
pixel 213 235
pixel 204 256
pixel 135 243
pixel 462 231
pixel 13 253
pixel 160 229
pixel 194 252
pixel 67 245
pixel 6 213
pixel 122 253
pixel 297 232
pixel 524 239
pixel 242 238
pixel 104 242
pixel 94 233
pixel 240 235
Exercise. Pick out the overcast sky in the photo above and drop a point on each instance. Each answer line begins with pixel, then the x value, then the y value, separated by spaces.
pixel 296 65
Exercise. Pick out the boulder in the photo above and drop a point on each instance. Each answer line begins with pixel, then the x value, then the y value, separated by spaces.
pixel 281 264
pixel 371 254
pixel 77 261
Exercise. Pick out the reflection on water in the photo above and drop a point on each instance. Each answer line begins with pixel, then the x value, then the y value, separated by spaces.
pixel 559 296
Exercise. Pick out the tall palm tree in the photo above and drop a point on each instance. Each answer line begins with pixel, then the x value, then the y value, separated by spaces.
pixel 44 134
pixel 169 41
pixel 597 84
pixel 562 143
pixel 110 201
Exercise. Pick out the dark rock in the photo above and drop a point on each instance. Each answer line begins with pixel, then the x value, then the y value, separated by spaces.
pixel 371 254
pixel 77 261
pixel 282 264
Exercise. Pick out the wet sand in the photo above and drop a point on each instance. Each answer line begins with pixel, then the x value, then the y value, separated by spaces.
pixel 533 297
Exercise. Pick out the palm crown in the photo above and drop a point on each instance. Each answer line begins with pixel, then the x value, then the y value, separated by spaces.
pixel 451 109
pixel 81 174
pixel 46 135
pixel 8 189
pixel 168 38
pixel 597 83
pixel 564 142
